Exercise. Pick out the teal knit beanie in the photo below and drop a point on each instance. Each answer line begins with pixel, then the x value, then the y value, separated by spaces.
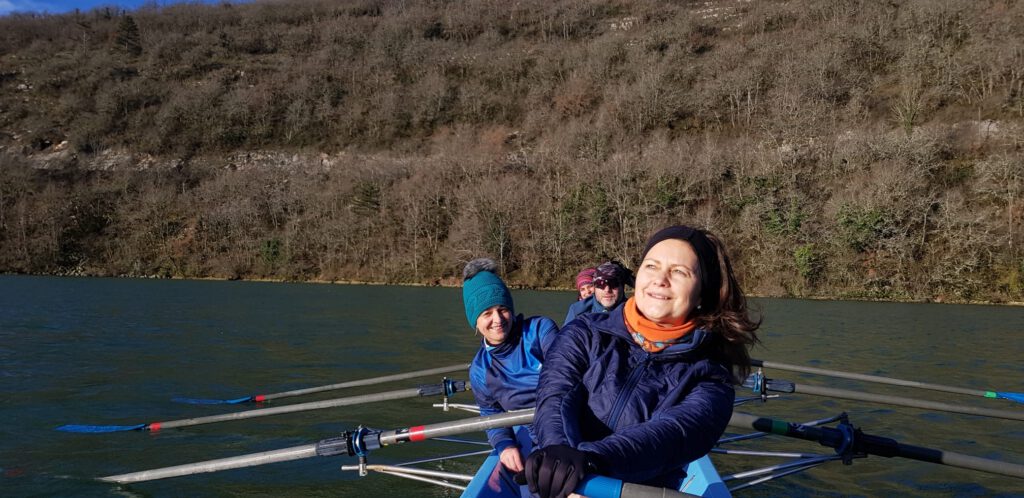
pixel 482 288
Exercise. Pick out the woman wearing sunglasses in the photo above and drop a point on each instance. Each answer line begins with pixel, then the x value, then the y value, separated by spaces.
pixel 639 392
pixel 610 280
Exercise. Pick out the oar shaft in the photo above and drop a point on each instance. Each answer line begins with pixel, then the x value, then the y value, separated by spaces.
pixel 867 378
pixel 282 455
pixel 961 460
pixel 369 382
pixel 299 407
pixel 875 445
pixel 909 402
pixel 422 432
pixel 310 450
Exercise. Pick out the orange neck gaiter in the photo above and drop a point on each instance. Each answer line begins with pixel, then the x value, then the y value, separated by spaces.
pixel 649 335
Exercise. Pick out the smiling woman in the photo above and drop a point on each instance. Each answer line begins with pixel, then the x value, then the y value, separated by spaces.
pixel 639 392
pixel 505 370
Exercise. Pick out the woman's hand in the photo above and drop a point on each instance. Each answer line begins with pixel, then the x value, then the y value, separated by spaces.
pixel 554 471
pixel 511 459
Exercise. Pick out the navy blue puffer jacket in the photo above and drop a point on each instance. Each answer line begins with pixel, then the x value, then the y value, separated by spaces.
pixel 642 415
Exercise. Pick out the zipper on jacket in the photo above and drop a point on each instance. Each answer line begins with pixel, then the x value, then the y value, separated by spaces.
pixel 627 391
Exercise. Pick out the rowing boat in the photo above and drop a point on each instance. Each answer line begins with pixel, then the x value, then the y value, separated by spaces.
pixel 491 480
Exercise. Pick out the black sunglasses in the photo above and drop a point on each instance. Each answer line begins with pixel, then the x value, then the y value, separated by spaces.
pixel 604 283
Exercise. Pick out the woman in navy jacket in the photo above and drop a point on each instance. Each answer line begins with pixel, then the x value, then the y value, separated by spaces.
pixel 505 370
pixel 639 392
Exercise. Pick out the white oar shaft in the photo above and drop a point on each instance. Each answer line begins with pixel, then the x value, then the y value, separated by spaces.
pixel 909 402
pixel 867 378
pixel 519 417
pixel 299 407
pixel 961 460
pixel 310 450
pixel 282 455
pixel 369 382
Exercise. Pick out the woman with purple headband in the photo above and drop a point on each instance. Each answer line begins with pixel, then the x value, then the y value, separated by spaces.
pixel 585 283
pixel 640 391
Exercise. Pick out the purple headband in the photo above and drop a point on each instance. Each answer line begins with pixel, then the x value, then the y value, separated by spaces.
pixel 585 277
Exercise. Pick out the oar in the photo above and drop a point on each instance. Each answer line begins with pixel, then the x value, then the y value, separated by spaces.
pixel 791 387
pixel 849 440
pixel 330 387
pixel 1018 397
pixel 360 441
pixel 330 447
pixel 448 387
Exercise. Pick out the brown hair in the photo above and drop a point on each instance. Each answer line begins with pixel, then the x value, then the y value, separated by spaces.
pixel 730 320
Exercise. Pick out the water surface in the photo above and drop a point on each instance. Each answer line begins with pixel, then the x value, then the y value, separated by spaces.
pixel 114 351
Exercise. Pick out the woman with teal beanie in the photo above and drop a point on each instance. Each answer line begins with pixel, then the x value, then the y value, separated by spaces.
pixel 506 368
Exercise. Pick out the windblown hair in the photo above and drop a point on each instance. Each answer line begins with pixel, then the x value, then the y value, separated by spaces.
pixel 478 265
pixel 731 320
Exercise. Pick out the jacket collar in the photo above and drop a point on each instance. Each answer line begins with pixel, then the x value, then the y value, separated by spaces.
pixel 614 323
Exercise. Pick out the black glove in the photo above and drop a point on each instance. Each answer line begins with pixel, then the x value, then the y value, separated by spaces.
pixel 554 472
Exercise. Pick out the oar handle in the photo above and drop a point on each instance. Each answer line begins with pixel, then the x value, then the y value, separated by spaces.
pixel 845 439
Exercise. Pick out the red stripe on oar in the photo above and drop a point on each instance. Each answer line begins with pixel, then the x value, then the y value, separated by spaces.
pixel 416 433
pixel 260 398
pixel 155 426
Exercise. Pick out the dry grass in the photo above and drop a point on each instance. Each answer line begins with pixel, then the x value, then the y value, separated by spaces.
pixel 856 149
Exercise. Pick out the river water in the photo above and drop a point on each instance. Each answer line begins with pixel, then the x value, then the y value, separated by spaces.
pixel 115 351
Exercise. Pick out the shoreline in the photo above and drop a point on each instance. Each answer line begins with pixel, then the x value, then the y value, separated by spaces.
pixel 453 282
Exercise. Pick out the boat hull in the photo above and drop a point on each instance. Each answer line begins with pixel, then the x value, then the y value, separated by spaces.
pixel 493 480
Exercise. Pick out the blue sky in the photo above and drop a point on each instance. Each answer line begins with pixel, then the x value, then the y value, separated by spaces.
pixel 58 6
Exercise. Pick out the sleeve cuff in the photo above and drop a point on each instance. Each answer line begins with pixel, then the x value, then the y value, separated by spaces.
pixel 504 443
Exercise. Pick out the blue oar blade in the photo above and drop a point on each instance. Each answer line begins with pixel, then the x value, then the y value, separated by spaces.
pixel 1018 397
pixel 98 429
pixel 198 401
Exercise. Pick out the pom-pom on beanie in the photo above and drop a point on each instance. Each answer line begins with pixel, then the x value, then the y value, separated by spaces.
pixel 482 288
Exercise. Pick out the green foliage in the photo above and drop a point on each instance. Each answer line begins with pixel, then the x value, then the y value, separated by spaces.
pixel 128 37
pixel 667 193
pixel 366 198
pixel 861 228
pixel 784 221
pixel 1011 280
pixel 808 262
pixel 271 252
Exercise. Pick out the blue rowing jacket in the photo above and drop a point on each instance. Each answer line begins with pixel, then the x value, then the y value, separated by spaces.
pixel 505 377
pixel 642 416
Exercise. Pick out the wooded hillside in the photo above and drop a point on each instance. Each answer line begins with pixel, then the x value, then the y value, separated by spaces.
pixel 843 148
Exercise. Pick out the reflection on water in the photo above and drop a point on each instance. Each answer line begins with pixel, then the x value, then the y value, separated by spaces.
pixel 112 351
